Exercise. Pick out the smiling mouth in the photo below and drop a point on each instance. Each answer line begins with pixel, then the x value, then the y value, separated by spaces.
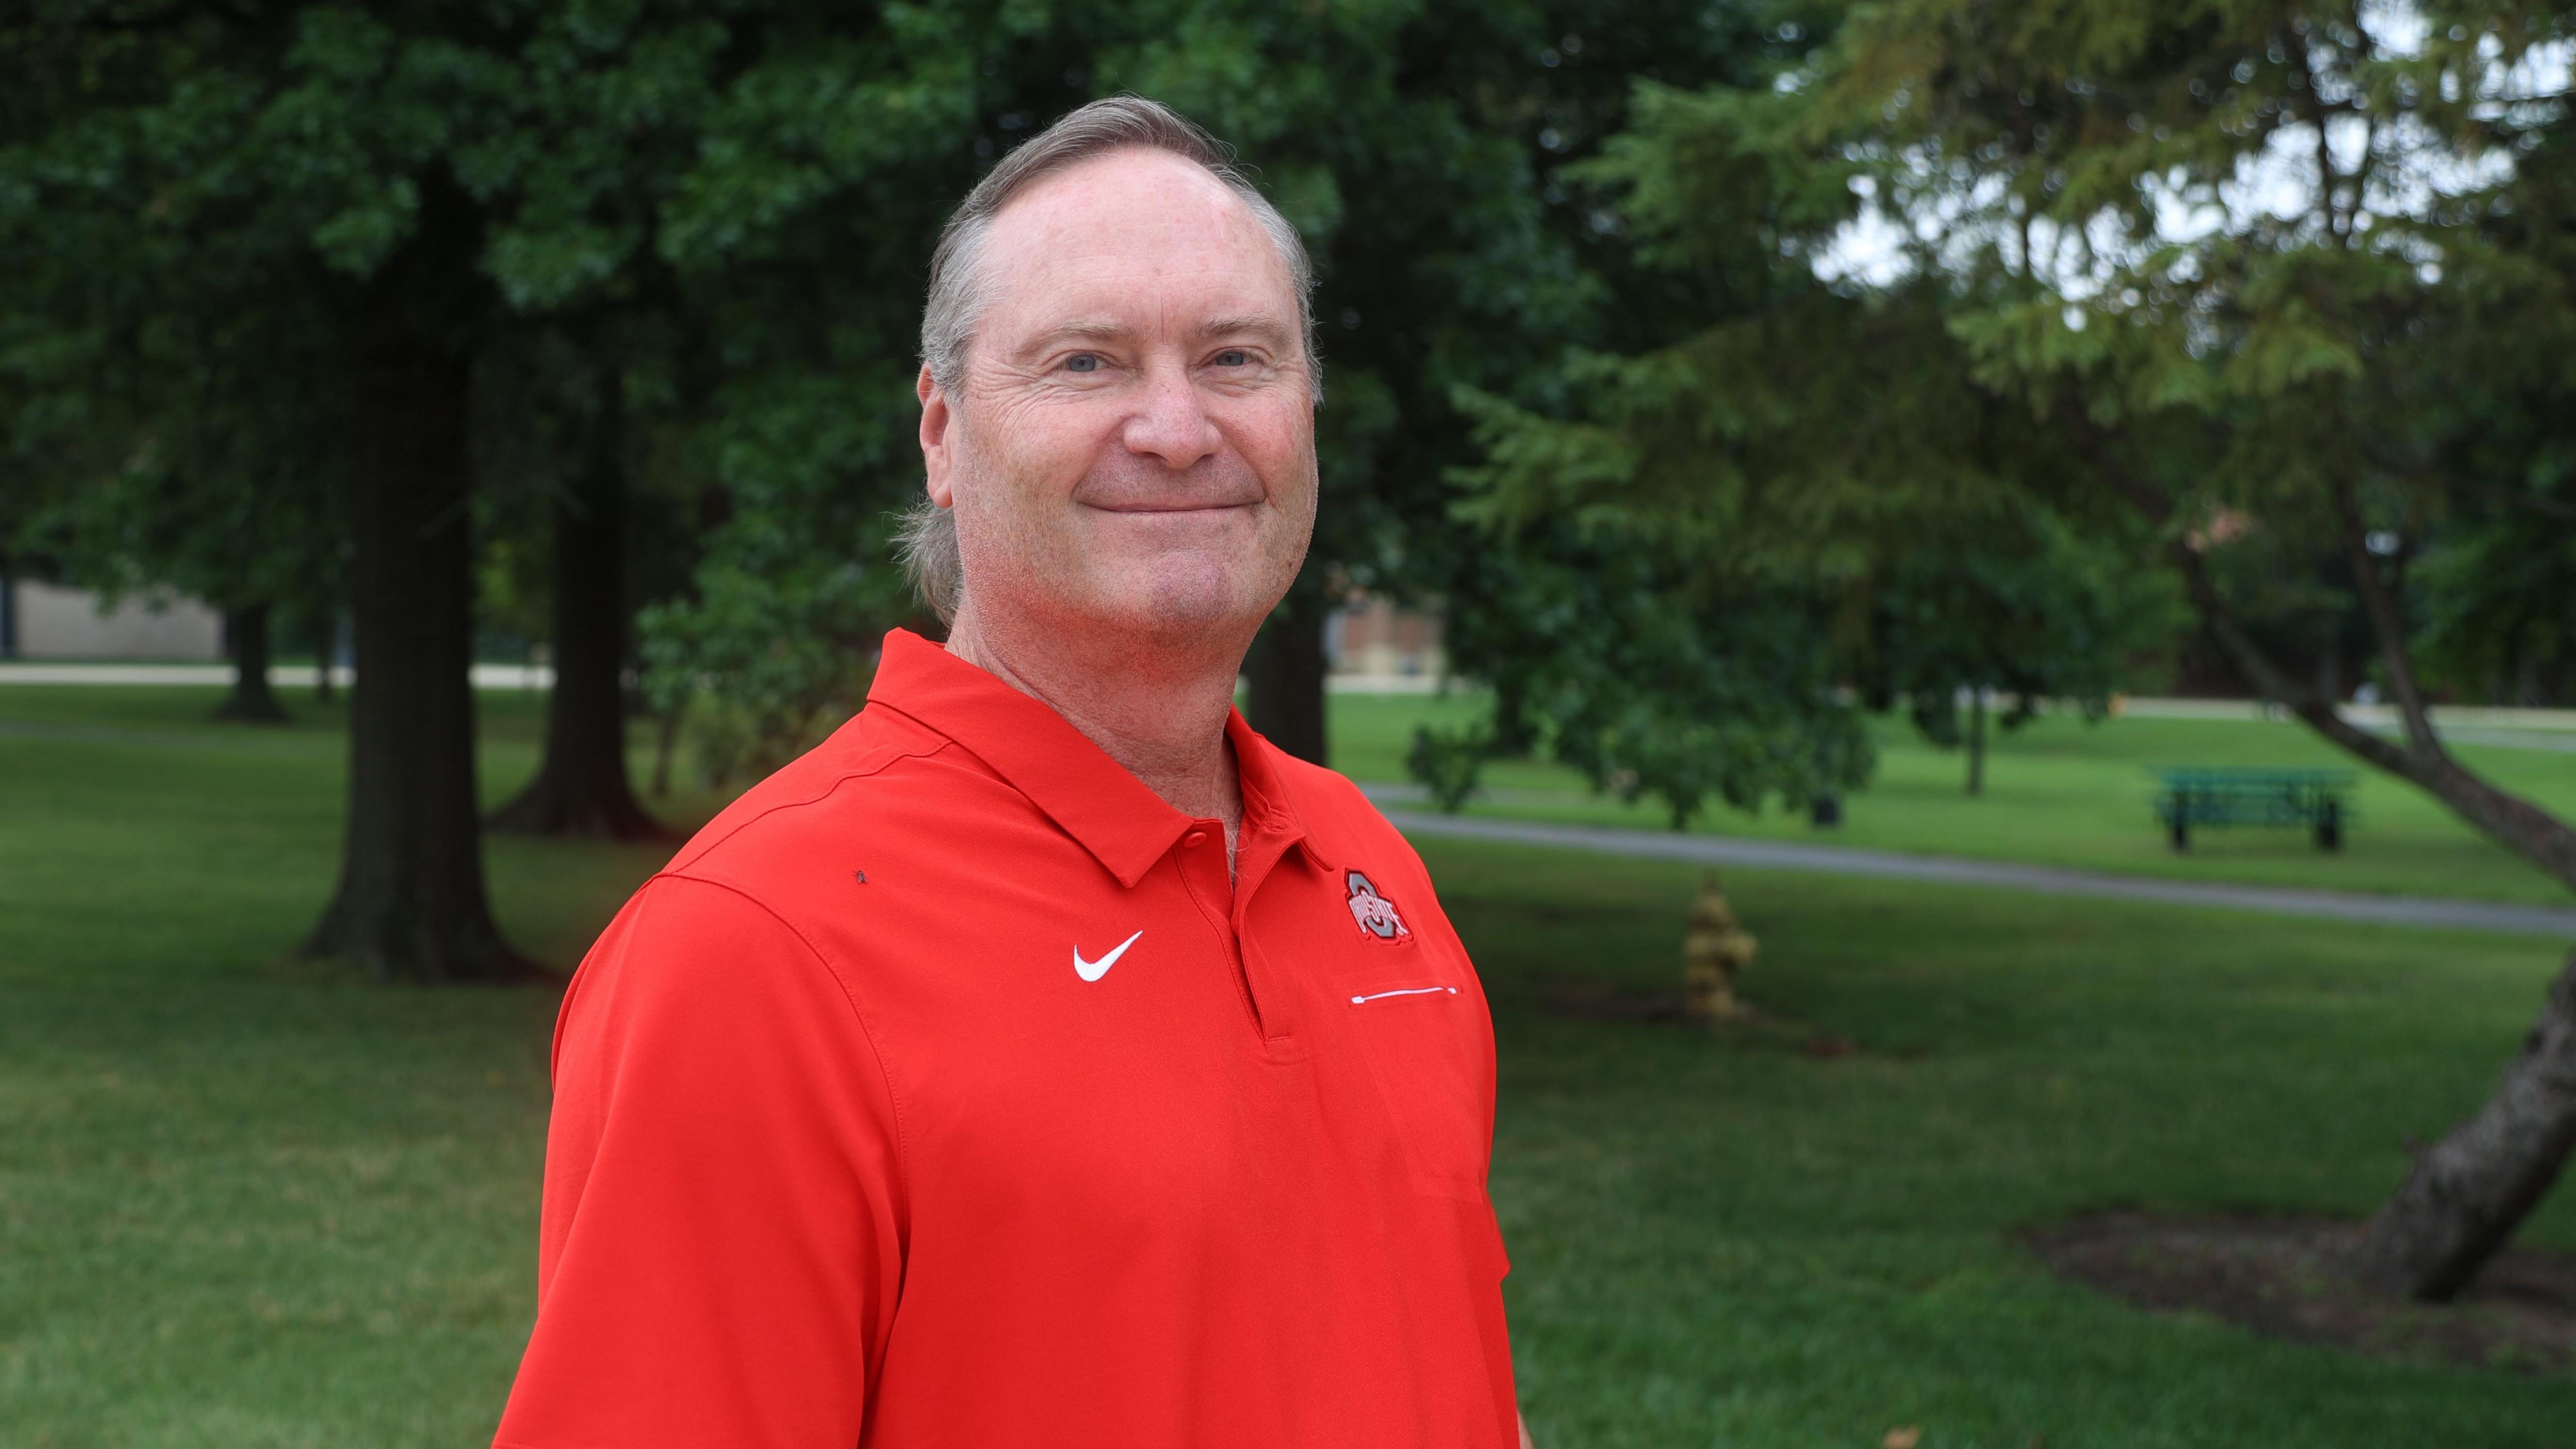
pixel 1172 508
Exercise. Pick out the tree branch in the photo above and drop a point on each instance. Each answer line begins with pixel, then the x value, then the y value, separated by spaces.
pixel 2269 679
pixel 2381 606
pixel 2327 210
pixel 2511 821
pixel 2554 508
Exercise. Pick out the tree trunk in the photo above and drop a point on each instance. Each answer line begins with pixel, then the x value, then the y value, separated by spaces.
pixel 246 640
pixel 1977 740
pixel 1515 733
pixel 582 787
pixel 326 652
pixel 1286 671
pixel 2471 1189
pixel 410 903
pixel 666 741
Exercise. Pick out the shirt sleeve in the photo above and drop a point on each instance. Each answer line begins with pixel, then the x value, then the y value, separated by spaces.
pixel 723 1231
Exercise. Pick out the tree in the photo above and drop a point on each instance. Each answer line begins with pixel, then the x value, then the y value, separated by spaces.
pixel 582 786
pixel 432 181
pixel 2216 265
pixel 1658 679
pixel 2493 576
pixel 1456 254
pixel 343 179
pixel 146 444
pixel 2008 605
pixel 1810 475
pixel 220 163
pixel 2494 588
pixel 2259 244
pixel 202 481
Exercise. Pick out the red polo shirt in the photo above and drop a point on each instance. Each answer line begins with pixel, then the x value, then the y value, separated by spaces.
pixel 945 1091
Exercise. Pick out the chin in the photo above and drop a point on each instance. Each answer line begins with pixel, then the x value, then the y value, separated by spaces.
pixel 1193 598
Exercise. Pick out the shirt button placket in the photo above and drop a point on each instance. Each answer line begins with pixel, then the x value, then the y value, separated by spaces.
pixel 1203 872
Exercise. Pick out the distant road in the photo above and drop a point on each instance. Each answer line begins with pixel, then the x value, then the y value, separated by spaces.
pixel 2459 724
pixel 37 671
pixel 2446 717
pixel 2558 921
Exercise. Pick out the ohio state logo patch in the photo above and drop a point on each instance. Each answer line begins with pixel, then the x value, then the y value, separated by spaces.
pixel 1375 913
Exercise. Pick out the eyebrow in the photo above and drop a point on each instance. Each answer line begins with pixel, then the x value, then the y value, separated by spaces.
pixel 1255 325
pixel 1251 324
pixel 1080 329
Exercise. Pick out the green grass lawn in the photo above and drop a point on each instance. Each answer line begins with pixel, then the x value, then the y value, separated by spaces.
pixel 244 1202
pixel 2058 792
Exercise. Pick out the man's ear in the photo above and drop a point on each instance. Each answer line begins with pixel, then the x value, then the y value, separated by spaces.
pixel 938 458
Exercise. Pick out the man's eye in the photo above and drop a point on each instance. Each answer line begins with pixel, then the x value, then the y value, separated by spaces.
pixel 1082 362
pixel 1233 357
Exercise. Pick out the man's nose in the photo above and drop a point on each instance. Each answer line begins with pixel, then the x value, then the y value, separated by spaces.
pixel 1171 421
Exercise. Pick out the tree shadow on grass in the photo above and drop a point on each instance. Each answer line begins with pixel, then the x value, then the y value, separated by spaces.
pixel 2278 1276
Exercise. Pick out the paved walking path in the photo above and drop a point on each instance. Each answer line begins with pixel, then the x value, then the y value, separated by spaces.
pixel 2355 906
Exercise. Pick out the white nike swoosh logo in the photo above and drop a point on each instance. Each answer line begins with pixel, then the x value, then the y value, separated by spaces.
pixel 1094 970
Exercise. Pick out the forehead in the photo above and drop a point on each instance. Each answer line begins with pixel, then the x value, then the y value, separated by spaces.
pixel 1142 234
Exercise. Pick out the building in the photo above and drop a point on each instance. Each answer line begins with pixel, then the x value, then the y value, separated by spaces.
pixel 44 621
pixel 1370 638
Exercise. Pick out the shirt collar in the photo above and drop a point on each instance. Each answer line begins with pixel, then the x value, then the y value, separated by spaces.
pixel 1269 806
pixel 1091 797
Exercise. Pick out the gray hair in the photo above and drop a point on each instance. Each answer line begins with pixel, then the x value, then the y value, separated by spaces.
pixel 927 534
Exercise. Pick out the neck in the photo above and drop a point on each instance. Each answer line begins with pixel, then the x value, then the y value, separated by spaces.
pixel 1157 708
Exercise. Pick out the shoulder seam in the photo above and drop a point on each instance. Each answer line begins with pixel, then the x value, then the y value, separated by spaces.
pixel 867 1033
pixel 821 793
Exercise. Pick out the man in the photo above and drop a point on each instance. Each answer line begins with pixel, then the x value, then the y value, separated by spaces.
pixel 1045 1059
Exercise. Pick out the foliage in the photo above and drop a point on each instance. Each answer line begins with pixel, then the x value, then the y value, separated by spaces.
pixel 2011 601
pixel 1655 682
pixel 1814 480
pixel 755 187
pixel 1450 761
pixel 2498 597
pixel 2492 580
pixel 766 659
pixel 2266 360
pixel 2285 275
pixel 154 436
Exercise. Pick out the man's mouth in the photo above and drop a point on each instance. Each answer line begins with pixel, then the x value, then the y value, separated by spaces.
pixel 1172 507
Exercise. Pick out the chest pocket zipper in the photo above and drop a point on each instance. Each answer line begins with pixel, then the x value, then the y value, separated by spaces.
pixel 1407 991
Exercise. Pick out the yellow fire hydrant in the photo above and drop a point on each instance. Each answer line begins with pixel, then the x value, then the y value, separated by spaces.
pixel 1716 949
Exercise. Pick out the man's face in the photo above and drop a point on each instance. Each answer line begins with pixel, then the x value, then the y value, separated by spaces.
pixel 1134 442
